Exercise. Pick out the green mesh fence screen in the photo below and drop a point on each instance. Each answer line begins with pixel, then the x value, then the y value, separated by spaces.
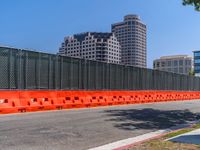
pixel 22 69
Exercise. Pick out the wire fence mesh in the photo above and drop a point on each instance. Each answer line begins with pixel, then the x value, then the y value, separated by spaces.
pixel 22 69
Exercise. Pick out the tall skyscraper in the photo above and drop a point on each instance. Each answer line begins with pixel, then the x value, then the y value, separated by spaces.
pixel 92 45
pixel 131 34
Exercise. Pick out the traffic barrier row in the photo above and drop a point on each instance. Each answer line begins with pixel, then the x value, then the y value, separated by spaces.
pixel 29 101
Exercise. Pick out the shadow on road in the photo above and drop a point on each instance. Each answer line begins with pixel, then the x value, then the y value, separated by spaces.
pixel 149 118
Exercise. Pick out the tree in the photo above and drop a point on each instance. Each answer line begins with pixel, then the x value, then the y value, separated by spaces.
pixel 195 3
pixel 191 72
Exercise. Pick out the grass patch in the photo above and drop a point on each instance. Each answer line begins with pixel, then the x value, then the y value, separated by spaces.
pixel 183 131
pixel 160 144
pixel 173 134
pixel 197 126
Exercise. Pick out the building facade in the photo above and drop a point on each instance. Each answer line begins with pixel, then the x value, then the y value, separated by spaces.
pixel 131 34
pixel 197 63
pixel 92 45
pixel 181 64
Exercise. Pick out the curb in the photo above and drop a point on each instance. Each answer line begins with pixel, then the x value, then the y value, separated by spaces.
pixel 130 142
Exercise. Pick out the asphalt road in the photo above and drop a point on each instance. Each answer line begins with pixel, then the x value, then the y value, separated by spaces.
pixel 87 128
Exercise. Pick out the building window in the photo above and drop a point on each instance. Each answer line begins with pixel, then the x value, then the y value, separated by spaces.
pixel 181 70
pixel 181 62
pixel 196 53
pixel 163 64
pixel 169 63
pixel 189 62
pixel 197 61
pixel 175 63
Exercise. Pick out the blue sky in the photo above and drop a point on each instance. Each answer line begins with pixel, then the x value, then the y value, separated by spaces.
pixel 42 24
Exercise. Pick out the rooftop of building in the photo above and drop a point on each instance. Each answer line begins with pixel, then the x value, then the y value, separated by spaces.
pixel 129 17
pixel 174 57
pixel 196 51
pixel 98 35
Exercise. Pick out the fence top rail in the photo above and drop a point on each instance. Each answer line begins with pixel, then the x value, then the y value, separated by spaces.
pixel 81 59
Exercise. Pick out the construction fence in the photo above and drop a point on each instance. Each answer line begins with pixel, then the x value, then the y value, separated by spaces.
pixel 22 69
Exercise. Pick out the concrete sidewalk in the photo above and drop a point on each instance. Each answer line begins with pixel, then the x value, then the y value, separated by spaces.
pixel 192 137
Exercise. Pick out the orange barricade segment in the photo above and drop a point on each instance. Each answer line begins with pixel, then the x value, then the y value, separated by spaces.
pixel 10 102
pixel 29 101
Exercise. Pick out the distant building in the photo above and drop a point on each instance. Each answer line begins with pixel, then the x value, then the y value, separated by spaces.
pixel 197 63
pixel 92 45
pixel 131 34
pixel 181 64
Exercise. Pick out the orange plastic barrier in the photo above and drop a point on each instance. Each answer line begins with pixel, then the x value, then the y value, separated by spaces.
pixel 29 101
pixel 10 102
pixel 37 100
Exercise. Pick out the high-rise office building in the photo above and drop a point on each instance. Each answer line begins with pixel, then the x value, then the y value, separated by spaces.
pixel 92 45
pixel 181 64
pixel 197 63
pixel 131 34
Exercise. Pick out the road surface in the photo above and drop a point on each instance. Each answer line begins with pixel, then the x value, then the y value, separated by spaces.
pixel 87 128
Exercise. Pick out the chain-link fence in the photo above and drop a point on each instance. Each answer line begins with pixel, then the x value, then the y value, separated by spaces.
pixel 21 69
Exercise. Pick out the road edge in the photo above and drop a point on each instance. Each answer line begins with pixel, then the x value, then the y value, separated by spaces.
pixel 127 143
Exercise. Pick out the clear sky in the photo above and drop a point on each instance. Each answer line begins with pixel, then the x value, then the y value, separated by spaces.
pixel 42 24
